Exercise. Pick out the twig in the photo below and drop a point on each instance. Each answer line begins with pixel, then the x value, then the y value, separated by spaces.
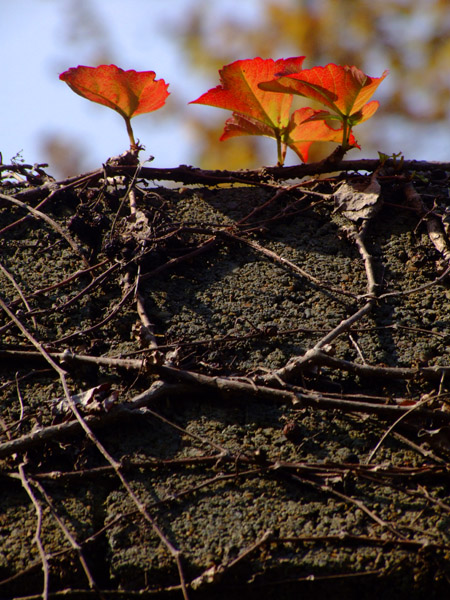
pixel 420 449
pixel 215 573
pixel 19 395
pixel 186 174
pixel 74 544
pixel 37 535
pixel 222 451
pixel 394 425
pixel 28 335
pixel 373 371
pixel 147 328
pixel 326 488
pixel 93 284
pixel 19 291
pixel 420 288
pixel 210 243
pixel 358 540
pixel 357 348
pixel 440 503
pixel 100 324
pixel 77 593
pixel 434 227
pixel 130 192
pixel 280 191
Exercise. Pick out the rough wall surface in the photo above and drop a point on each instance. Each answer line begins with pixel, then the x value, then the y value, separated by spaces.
pixel 209 390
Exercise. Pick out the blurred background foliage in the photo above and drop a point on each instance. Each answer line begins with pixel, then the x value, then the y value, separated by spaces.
pixel 408 37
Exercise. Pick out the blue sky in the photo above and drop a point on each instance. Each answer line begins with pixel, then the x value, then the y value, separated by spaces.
pixel 34 102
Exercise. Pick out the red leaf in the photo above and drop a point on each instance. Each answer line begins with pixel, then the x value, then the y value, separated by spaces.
pixel 240 93
pixel 307 126
pixel 291 135
pixel 344 89
pixel 239 124
pixel 130 93
pixel 367 111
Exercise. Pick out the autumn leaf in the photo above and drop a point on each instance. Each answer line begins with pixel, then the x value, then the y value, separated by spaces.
pixel 255 112
pixel 243 125
pixel 301 131
pixel 130 93
pixel 304 129
pixel 240 93
pixel 346 90
pixel 239 124
pixel 367 111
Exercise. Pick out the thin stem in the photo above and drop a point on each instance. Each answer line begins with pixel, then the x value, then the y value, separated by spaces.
pixel 283 152
pixel 344 133
pixel 37 534
pixel 130 133
pixel 280 154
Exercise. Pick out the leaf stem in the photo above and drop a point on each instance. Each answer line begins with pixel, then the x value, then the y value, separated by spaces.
pixel 283 152
pixel 346 130
pixel 130 133
pixel 280 153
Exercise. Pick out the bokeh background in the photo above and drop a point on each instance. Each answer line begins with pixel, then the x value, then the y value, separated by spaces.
pixel 186 42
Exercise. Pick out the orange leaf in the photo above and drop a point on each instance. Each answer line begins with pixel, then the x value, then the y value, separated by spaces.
pixel 307 126
pixel 239 124
pixel 367 111
pixel 291 135
pixel 344 89
pixel 130 93
pixel 240 93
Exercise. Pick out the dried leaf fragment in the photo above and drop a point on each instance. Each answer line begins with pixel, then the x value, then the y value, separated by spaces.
pixel 356 202
pixel 99 399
